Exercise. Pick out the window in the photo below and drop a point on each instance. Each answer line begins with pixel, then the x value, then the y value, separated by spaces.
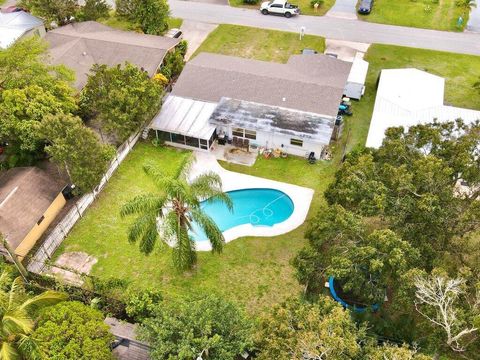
pixel 250 134
pixel 244 133
pixel 237 132
pixel 296 142
pixel 204 144
pixel 191 141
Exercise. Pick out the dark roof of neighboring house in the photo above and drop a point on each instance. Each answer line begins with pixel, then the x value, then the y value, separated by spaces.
pixel 312 83
pixel 25 194
pixel 81 45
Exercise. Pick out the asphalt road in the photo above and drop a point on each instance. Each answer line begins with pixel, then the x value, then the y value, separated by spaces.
pixel 330 27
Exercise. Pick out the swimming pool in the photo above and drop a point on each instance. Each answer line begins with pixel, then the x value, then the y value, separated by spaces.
pixel 258 207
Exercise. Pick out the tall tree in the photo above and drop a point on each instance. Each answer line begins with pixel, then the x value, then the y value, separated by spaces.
pixel 17 321
pixel 72 330
pixel 152 15
pixel 30 90
pixel 77 149
pixel 208 326
pixel 121 98
pixel 297 330
pixel 177 204
pixel 61 12
pixel 412 182
pixel 93 10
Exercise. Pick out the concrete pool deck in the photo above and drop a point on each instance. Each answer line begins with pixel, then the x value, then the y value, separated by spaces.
pixel 301 197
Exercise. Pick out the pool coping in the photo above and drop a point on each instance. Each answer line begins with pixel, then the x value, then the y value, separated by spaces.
pixel 300 196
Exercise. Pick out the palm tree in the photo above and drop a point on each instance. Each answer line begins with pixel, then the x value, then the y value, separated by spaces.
pixel 177 205
pixel 17 322
pixel 467 5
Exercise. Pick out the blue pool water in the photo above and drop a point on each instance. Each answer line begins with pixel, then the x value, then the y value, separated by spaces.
pixel 259 207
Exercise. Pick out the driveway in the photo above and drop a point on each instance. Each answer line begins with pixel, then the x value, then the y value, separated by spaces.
pixel 195 32
pixel 331 27
pixel 474 19
pixel 344 9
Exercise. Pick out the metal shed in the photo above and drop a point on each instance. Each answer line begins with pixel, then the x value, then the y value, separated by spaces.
pixel 355 86
pixel 184 122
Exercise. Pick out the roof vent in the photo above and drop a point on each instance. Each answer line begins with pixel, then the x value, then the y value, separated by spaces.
pixel 283 99
pixel 84 53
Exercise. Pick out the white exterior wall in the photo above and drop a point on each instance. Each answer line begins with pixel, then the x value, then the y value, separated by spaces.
pixel 275 141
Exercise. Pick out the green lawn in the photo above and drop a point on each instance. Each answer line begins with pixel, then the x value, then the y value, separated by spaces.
pixel 261 44
pixel 252 271
pixel 304 5
pixel 429 14
pixel 123 24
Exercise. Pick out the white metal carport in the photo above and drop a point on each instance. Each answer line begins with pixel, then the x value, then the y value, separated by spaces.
pixel 184 122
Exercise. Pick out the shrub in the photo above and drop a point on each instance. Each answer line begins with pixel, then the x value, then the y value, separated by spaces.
pixel 182 47
pixel 93 10
pixel 141 304
pixel 250 2
pixel 71 330
pixel 319 2
pixel 173 64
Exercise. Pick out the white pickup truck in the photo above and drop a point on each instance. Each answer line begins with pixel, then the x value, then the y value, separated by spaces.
pixel 280 7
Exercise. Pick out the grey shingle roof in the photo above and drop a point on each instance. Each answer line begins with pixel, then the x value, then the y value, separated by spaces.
pixel 80 45
pixel 312 83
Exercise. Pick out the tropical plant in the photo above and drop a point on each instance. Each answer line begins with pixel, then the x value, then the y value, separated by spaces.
pixel 17 311
pixel 466 4
pixel 177 205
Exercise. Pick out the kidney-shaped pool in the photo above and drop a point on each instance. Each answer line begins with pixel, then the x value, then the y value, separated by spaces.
pixel 259 207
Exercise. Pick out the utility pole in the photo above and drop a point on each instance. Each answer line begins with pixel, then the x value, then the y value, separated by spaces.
pixel 18 263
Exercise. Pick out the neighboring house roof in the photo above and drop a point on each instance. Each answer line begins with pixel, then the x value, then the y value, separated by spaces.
pixel 313 83
pixel 186 117
pixel 273 119
pixel 81 45
pixel 14 25
pixel 407 97
pixel 25 195
pixel 129 348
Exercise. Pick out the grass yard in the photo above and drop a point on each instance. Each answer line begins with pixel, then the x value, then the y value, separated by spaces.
pixel 429 14
pixel 260 44
pixel 252 271
pixel 304 5
pixel 460 72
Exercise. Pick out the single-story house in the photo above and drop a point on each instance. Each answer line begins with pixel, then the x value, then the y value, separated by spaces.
pixel 81 45
pixel 291 106
pixel 30 199
pixel 407 97
pixel 17 25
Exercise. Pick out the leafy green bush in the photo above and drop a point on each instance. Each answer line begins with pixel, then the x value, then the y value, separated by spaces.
pixel 183 329
pixel 313 2
pixel 250 2
pixel 173 64
pixel 182 47
pixel 71 330
pixel 141 304
pixel 93 10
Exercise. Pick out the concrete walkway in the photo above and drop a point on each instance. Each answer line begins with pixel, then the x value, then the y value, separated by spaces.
pixel 474 19
pixel 331 28
pixel 195 32
pixel 344 9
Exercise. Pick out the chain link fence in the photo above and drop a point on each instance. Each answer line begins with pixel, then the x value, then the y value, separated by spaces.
pixel 61 230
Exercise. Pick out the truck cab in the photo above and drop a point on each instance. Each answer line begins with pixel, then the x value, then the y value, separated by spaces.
pixel 279 7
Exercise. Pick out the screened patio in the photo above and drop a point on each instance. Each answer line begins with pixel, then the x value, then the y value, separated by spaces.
pixel 184 122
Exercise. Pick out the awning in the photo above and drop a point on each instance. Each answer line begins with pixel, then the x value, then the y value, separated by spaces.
pixel 186 117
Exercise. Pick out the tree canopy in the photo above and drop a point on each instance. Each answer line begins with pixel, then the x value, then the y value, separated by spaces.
pixel 30 90
pixel 77 149
pixel 209 325
pixel 72 330
pixel 121 98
